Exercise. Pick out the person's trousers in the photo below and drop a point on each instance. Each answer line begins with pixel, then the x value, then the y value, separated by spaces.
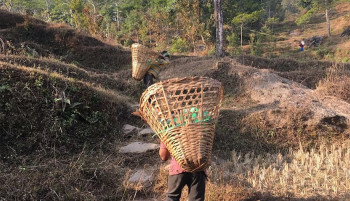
pixel 194 181
pixel 148 80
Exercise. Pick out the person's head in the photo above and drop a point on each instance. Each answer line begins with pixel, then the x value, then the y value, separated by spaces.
pixel 164 55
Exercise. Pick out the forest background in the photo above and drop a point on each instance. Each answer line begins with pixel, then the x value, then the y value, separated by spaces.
pixel 181 26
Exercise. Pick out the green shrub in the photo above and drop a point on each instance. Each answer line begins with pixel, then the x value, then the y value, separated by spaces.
pixel 179 45
pixel 234 50
pixel 212 51
pixel 233 40
pixel 323 52
pixel 128 42
pixel 233 47
pixel 255 45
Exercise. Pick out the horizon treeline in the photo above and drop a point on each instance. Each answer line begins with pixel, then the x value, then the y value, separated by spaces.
pixel 183 25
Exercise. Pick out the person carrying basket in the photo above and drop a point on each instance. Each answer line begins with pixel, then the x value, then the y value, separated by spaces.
pixel 183 112
pixel 155 68
pixel 178 179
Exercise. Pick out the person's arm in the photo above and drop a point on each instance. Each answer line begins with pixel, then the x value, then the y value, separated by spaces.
pixel 163 152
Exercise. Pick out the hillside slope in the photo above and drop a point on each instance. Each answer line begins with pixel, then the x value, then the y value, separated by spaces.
pixel 333 48
pixel 26 35
pixel 54 131
pixel 65 97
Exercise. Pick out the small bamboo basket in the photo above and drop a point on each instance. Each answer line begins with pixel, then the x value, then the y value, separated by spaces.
pixel 142 58
pixel 183 113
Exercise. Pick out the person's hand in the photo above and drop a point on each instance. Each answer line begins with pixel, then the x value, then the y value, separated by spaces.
pixel 137 113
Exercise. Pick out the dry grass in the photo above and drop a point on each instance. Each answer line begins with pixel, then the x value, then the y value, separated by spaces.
pixel 336 45
pixel 336 83
pixel 44 158
pixel 217 189
pixel 2 46
pixel 188 66
pixel 113 95
pixel 322 172
pixel 62 42
pixel 119 81
pixel 318 174
pixel 84 176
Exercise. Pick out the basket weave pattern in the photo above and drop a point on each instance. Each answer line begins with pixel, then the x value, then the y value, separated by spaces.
pixel 142 57
pixel 183 113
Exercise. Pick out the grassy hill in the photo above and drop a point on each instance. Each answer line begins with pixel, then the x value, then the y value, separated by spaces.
pixel 334 48
pixel 63 105
pixel 64 97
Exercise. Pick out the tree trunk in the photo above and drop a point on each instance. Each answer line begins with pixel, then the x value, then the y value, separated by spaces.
pixel 328 24
pixel 177 25
pixel 150 37
pixel 118 24
pixel 10 5
pixel 219 28
pixel 242 35
pixel 48 3
pixel 93 5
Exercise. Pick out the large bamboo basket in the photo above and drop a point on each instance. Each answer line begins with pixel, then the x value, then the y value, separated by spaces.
pixel 142 57
pixel 183 113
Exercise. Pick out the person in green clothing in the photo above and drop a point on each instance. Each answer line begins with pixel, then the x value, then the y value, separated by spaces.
pixel 155 68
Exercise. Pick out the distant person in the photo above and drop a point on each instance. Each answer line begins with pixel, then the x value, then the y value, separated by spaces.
pixel 178 179
pixel 301 45
pixel 155 68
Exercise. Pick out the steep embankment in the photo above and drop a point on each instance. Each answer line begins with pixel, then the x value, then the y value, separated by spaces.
pixel 58 135
pixel 61 123
pixel 29 36
pixel 119 81
pixel 35 102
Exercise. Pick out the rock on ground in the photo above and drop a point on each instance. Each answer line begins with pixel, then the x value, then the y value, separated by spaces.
pixel 138 147
pixel 280 98
pixel 141 178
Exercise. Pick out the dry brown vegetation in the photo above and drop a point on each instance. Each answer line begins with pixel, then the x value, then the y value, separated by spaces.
pixel 64 97
pixel 336 83
pixel 334 48
pixel 31 37
pixel 320 173
pixel 116 81
pixel 308 73
pixel 56 135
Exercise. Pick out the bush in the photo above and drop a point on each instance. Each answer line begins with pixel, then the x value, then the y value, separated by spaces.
pixel 233 47
pixel 255 45
pixel 212 51
pixel 179 45
pixel 322 53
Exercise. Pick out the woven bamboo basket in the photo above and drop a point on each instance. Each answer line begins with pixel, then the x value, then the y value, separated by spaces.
pixel 142 57
pixel 183 113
